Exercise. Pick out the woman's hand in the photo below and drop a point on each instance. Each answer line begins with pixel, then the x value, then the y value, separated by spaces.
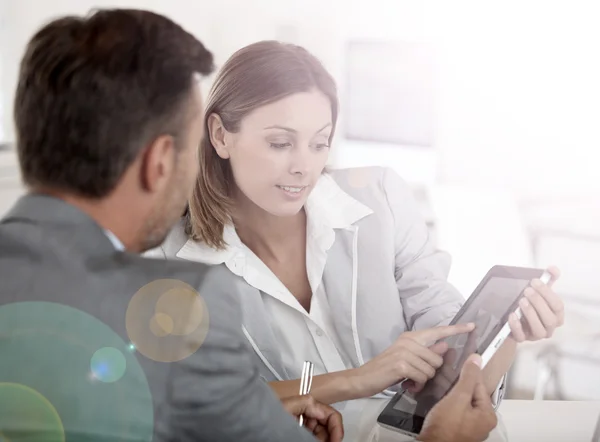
pixel 414 356
pixel 454 360
pixel 542 309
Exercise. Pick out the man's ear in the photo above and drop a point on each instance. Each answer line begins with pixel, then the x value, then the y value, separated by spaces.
pixel 158 164
pixel 218 136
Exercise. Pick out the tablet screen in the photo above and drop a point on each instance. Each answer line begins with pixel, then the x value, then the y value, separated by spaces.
pixel 488 311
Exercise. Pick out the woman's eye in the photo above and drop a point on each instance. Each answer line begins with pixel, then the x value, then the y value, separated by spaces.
pixel 280 145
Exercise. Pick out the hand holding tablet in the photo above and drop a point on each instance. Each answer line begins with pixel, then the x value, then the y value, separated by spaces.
pixel 494 301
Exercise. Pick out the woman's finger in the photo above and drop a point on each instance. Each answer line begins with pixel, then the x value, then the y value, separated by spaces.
pixel 544 312
pixel 516 328
pixel 533 321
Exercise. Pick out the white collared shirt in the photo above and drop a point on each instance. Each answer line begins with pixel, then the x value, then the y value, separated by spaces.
pixel 312 336
pixel 301 335
pixel 116 242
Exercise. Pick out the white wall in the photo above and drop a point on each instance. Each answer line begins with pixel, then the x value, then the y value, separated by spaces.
pixel 518 88
pixel 3 62
pixel 223 26
pixel 10 183
pixel 521 95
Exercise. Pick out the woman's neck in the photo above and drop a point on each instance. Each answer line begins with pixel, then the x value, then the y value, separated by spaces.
pixel 269 236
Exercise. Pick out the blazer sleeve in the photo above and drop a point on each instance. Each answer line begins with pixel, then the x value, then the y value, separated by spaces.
pixel 421 271
pixel 216 394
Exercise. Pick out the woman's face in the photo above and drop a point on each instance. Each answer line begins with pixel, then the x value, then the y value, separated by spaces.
pixel 280 151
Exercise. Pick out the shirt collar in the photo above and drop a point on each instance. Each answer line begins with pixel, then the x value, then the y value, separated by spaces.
pixel 330 206
pixel 116 242
pixel 327 207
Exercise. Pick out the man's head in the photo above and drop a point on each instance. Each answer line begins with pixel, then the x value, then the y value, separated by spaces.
pixel 108 108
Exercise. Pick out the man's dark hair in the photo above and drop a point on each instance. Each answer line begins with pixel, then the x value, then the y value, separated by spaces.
pixel 94 91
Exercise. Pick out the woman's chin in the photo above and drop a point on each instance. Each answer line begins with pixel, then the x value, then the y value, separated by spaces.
pixel 287 210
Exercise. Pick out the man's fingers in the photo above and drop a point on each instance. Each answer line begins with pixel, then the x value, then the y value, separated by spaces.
pixel 470 375
pixel 333 424
pixel 297 405
pixel 483 404
pixel 322 420
pixel 431 335
pixel 311 424
pixel 481 398
pixel 320 433
pixel 469 348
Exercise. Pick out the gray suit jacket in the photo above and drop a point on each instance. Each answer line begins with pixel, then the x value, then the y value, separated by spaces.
pixel 69 367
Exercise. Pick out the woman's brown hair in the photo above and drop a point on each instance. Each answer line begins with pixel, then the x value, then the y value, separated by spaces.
pixel 254 76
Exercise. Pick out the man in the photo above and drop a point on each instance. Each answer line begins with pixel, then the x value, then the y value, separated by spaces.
pixel 108 117
pixel 98 343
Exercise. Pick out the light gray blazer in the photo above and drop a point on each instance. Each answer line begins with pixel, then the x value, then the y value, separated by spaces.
pixel 383 274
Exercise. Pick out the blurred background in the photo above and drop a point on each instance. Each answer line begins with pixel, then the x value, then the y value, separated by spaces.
pixel 490 110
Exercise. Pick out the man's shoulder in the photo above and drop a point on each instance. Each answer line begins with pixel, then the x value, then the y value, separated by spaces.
pixel 195 274
pixel 50 268
pixel 66 310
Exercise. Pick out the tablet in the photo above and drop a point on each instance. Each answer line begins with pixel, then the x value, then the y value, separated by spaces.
pixel 489 307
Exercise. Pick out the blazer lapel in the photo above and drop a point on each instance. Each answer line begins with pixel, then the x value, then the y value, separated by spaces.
pixel 73 228
pixel 257 328
pixel 339 282
pixel 256 323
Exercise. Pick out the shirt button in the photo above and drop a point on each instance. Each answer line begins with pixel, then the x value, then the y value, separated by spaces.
pixel 319 333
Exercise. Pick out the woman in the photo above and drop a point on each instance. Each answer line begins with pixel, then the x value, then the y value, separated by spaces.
pixel 335 267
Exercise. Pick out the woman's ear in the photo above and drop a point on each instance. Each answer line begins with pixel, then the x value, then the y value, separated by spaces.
pixel 218 135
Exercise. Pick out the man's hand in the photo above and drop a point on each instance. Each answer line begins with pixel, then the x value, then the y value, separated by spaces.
pixel 466 414
pixel 323 421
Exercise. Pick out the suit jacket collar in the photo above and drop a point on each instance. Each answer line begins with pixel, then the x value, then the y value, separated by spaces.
pixel 69 225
